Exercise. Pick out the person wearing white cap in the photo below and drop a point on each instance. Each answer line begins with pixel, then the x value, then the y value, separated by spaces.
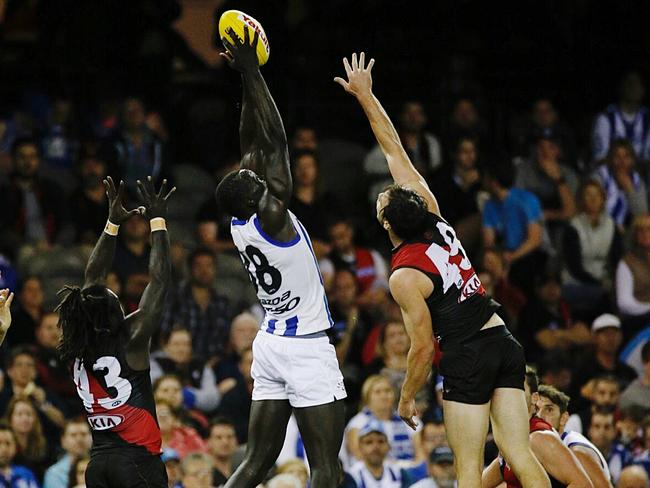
pixel 607 338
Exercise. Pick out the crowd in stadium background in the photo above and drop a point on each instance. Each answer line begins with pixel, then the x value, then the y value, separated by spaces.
pixel 549 199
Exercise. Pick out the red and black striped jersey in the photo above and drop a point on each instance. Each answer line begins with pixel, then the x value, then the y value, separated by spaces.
pixel 458 305
pixel 119 404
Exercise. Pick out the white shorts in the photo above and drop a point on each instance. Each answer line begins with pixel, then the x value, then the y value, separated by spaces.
pixel 304 371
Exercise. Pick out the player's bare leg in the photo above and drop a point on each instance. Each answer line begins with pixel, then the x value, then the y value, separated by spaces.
pixel 267 430
pixel 510 428
pixel 467 428
pixel 321 428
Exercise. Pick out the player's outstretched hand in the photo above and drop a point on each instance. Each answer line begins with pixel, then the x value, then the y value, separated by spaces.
pixel 241 54
pixel 117 214
pixel 359 76
pixel 407 411
pixel 5 311
pixel 155 204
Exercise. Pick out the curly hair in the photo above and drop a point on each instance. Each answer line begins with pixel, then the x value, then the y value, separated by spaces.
pixel 406 212
pixel 237 194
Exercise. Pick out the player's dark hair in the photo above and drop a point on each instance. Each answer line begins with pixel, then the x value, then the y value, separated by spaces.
pixel 89 319
pixel 20 350
pixel 238 194
pixel 556 396
pixel 531 379
pixel 645 352
pixel 406 212
pixel 502 173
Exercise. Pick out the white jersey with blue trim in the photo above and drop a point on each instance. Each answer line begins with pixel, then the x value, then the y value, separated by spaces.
pixel 572 438
pixel 286 276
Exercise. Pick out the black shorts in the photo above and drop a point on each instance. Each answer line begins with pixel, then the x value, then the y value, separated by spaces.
pixel 125 470
pixel 472 370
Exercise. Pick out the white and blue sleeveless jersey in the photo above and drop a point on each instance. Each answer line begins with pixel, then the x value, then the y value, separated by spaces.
pixel 571 438
pixel 286 276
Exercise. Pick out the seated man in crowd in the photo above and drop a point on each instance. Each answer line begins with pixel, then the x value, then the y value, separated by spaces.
pixel 441 470
pixel 222 446
pixel 76 442
pixel 604 392
pixel 602 432
pixel 373 471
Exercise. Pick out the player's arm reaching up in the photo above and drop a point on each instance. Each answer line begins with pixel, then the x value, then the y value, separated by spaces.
pixel 401 169
pixel 101 258
pixel 5 312
pixel 263 140
pixel 146 319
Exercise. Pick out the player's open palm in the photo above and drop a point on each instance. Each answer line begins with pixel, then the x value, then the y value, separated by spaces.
pixel 117 214
pixel 5 311
pixel 155 203
pixel 241 54
pixel 359 75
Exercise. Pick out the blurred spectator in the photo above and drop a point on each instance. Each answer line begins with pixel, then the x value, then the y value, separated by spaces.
pixel 76 442
pixel 22 375
pixel 633 279
pixel 31 446
pixel 457 190
pixel 624 187
pixel 604 395
pixel 52 373
pixel 78 472
pixel 173 467
pixel 440 469
pixel 89 205
pixel 196 306
pixel 139 152
pixel 378 404
pixel 179 437
pixel 644 457
pixel 297 468
pixel 433 436
pixel 627 119
pixel 550 180
pixel 628 425
pixel 197 470
pixel 638 392
pixel 422 148
pixel 131 261
pixel 633 477
pixel 27 312
pixel 556 369
pixel 310 203
pixel 502 290
pixel 373 470
pixel 176 357
pixel 304 139
pixel 591 248
pixel 243 330
pixel 392 352
pixel 602 360
pixel 545 122
pixel 169 389
pixel 367 264
pixel 236 402
pixel 12 475
pixel 222 445
pixel 58 141
pixel 602 433
pixel 548 322
pixel 35 212
pixel 284 481
pixel 513 218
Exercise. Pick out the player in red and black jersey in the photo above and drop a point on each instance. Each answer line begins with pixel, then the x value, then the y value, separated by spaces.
pixel 438 290
pixel 108 352
pixel 558 460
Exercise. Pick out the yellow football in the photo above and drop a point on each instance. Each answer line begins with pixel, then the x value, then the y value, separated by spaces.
pixel 237 20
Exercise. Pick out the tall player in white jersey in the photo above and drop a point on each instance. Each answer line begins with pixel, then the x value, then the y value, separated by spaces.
pixel 294 366
pixel 552 407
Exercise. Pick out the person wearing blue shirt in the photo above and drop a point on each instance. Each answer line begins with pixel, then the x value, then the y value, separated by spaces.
pixel 12 476
pixel 513 219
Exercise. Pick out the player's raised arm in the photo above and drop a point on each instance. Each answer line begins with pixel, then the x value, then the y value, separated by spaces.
pixel 101 258
pixel 5 312
pixel 263 139
pixel 145 321
pixel 359 84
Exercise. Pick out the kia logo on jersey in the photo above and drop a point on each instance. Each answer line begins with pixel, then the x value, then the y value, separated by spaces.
pixel 105 422
pixel 471 287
